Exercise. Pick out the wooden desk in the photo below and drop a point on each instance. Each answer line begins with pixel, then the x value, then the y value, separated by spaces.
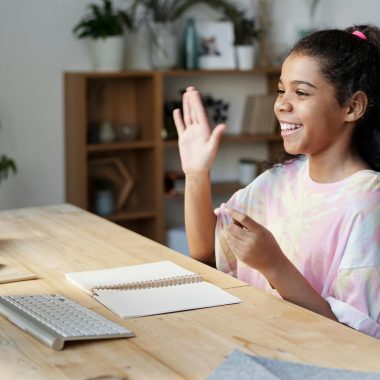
pixel 187 345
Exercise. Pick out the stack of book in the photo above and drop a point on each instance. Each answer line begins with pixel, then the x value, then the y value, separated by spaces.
pixel 259 117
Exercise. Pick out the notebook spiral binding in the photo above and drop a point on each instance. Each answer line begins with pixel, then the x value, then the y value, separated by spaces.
pixel 170 281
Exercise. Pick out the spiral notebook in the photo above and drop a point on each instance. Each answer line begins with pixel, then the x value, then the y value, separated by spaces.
pixel 149 289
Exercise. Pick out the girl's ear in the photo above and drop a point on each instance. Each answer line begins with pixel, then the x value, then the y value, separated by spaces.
pixel 357 106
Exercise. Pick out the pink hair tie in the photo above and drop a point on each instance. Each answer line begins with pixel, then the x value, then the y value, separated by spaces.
pixel 359 34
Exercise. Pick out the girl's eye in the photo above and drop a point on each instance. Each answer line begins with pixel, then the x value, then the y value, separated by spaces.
pixel 279 91
pixel 301 93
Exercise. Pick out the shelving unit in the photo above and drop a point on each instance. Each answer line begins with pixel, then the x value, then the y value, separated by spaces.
pixel 133 97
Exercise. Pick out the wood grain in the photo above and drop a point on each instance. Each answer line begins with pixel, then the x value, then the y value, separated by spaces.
pixel 51 241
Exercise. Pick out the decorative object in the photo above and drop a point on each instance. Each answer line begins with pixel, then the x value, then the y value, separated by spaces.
pixel 245 57
pixel 163 46
pixel 246 34
pixel 113 170
pixel 248 169
pixel 104 202
pixel 191 46
pixel 217 111
pixel 216 40
pixel 7 165
pixel 104 28
pixel 107 53
pixel 158 16
pixel 106 133
pixel 167 12
pixel 127 131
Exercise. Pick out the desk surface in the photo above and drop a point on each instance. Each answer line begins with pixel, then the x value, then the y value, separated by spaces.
pixel 51 241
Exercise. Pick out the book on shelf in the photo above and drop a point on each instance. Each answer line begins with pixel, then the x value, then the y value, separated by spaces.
pixel 149 289
pixel 259 117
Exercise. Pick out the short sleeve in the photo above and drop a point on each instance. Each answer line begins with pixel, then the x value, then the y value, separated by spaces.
pixel 358 305
pixel 355 294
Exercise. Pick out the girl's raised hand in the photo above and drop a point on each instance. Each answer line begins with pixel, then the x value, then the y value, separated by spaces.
pixel 252 243
pixel 197 144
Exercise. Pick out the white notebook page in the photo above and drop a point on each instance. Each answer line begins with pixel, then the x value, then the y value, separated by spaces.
pixel 143 302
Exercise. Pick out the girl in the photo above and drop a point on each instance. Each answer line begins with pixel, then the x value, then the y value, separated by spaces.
pixel 307 230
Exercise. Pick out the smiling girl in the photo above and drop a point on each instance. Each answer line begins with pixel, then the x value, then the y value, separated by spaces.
pixel 307 230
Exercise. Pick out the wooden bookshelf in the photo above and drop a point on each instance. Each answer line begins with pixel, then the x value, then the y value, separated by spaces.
pixel 134 97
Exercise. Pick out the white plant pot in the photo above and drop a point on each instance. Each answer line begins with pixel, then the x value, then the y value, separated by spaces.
pixel 163 47
pixel 107 53
pixel 245 56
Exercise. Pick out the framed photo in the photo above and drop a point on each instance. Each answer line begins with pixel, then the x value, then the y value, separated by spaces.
pixel 216 49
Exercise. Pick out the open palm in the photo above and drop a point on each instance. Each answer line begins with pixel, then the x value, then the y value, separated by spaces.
pixel 197 144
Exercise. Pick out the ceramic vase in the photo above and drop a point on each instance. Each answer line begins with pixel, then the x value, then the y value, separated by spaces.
pixel 245 56
pixel 163 47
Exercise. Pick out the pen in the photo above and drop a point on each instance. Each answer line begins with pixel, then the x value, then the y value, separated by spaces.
pixel 14 277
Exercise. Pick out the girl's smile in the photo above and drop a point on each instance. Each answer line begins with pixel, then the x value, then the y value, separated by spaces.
pixel 289 128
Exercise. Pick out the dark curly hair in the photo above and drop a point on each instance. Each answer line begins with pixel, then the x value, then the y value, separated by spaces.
pixel 351 64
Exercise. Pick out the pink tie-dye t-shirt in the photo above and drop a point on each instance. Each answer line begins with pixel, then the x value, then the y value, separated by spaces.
pixel 329 231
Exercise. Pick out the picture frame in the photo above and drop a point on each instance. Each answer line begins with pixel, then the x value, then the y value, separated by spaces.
pixel 216 45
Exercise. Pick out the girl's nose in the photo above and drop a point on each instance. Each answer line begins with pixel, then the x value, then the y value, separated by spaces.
pixel 282 105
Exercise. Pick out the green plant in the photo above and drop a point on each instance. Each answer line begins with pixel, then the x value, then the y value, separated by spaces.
pixel 245 29
pixel 7 165
pixel 103 21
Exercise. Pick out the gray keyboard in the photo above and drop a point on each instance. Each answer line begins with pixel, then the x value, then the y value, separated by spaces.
pixel 55 319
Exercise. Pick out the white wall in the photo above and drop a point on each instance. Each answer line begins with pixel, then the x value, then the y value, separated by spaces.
pixel 37 46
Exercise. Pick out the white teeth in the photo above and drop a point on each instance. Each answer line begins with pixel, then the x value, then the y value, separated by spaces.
pixel 289 127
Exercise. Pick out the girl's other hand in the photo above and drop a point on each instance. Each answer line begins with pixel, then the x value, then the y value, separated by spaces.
pixel 252 243
pixel 197 144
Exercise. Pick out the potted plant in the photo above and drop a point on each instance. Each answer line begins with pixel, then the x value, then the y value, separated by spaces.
pixel 7 165
pixel 104 26
pixel 246 34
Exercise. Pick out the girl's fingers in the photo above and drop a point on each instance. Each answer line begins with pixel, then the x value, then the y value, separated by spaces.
pixel 200 110
pixel 194 111
pixel 242 220
pixel 178 121
pixel 194 98
pixel 197 109
pixel 186 110
pixel 238 232
pixel 217 133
